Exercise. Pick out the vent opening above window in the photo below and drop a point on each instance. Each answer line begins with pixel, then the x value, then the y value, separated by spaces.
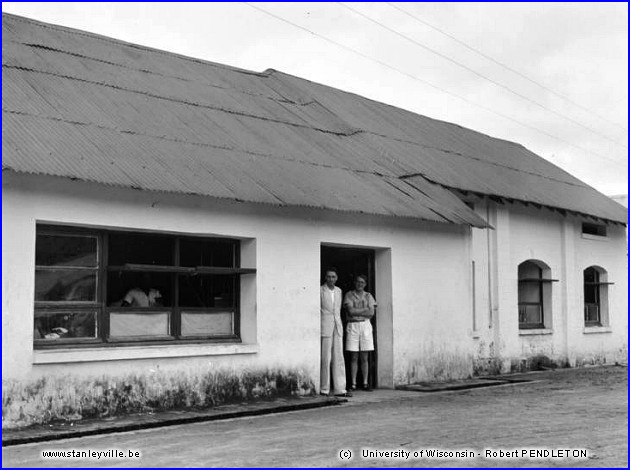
pixel 593 229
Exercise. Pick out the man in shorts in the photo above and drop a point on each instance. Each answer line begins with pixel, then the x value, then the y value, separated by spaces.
pixel 359 337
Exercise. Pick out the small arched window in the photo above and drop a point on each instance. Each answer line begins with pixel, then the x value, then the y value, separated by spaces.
pixel 534 295
pixel 595 296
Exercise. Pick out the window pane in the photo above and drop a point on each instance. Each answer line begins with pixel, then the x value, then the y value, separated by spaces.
pixel 591 313
pixel 529 270
pixel 207 324
pixel 530 314
pixel 120 285
pixel 215 253
pixel 125 248
pixel 591 275
pixel 65 250
pixel 65 286
pixel 207 291
pixel 126 324
pixel 590 294
pixel 58 325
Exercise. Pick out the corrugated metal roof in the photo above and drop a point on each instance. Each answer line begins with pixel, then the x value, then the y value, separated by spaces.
pixel 85 106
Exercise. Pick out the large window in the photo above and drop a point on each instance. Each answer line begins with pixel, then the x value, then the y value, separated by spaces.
pixel 120 287
pixel 534 295
pixel 595 297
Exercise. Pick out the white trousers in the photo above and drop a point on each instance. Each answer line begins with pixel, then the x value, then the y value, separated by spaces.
pixel 332 352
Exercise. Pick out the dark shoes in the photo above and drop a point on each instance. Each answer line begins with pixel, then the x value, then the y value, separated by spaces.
pixel 367 388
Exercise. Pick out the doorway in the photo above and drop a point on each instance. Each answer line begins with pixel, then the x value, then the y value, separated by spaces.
pixel 350 262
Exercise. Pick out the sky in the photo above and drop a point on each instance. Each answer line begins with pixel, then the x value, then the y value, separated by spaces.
pixel 550 76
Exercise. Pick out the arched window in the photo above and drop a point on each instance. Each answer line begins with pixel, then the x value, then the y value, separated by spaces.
pixel 534 295
pixel 595 296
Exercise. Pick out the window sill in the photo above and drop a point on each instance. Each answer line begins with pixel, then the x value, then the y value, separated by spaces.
pixel 95 354
pixel 601 238
pixel 589 330
pixel 535 332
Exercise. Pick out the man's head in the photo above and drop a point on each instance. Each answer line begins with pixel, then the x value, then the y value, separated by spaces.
pixel 331 277
pixel 360 282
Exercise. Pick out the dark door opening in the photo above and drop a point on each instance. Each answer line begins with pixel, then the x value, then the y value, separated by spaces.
pixel 349 263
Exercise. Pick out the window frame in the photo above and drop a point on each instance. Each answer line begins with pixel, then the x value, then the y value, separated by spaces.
pixel 597 294
pixel 540 303
pixel 544 296
pixel 601 296
pixel 102 306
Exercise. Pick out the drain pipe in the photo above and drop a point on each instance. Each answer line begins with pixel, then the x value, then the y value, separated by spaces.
pixel 489 266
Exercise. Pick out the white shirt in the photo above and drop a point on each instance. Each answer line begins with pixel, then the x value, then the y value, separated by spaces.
pixel 138 298
pixel 332 296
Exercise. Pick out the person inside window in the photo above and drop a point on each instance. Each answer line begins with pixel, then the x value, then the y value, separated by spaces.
pixel 144 295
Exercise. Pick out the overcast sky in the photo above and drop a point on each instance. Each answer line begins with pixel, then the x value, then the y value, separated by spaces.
pixel 578 52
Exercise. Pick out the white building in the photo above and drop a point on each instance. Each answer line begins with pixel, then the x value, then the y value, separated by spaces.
pixel 231 190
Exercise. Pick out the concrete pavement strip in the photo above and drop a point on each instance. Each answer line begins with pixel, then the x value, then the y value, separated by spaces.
pixel 460 384
pixel 135 422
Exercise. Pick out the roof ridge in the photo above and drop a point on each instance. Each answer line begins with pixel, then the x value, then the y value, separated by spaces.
pixel 102 37
pixel 266 73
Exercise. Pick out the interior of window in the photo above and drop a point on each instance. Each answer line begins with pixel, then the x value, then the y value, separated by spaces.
pixel 124 286
pixel 592 297
pixel 530 295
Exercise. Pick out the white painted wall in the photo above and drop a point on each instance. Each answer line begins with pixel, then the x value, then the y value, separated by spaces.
pixel 524 233
pixel 422 272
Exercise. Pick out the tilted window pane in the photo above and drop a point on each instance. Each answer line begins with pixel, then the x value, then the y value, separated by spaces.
pixel 127 248
pixel 207 324
pixel 65 250
pixel 65 286
pixel 207 291
pixel 69 324
pixel 215 253
pixel 529 292
pixel 127 324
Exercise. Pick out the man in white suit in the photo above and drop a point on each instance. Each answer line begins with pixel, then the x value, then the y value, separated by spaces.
pixel 332 338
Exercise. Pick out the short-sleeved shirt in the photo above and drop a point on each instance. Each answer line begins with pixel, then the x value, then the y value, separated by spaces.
pixel 364 300
pixel 138 298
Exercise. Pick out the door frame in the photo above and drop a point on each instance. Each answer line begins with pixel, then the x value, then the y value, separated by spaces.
pixel 379 285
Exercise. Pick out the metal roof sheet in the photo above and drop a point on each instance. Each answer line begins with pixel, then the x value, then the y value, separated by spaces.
pixel 85 106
